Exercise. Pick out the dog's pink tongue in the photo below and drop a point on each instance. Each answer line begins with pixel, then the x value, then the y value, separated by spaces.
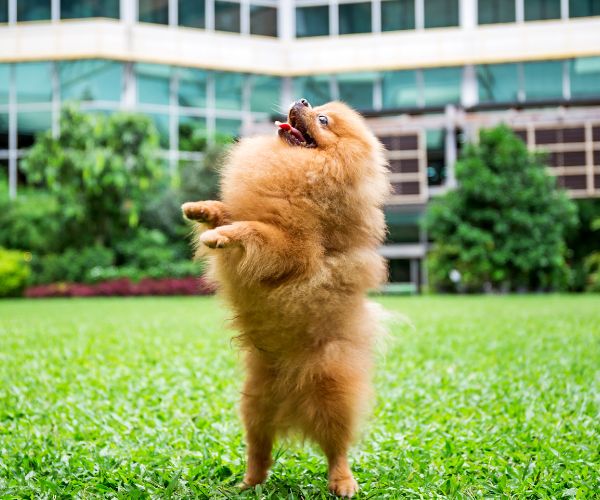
pixel 294 131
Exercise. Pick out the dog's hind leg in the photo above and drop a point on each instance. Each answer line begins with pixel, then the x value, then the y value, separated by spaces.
pixel 331 424
pixel 257 413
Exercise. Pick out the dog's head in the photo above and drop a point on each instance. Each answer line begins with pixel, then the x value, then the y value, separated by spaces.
pixel 331 126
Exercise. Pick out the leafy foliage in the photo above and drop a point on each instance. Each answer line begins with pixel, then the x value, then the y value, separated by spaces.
pixel 14 272
pixel 97 205
pixel 491 397
pixel 583 241
pixel 72 265
pixel 101 169
pixel 503 227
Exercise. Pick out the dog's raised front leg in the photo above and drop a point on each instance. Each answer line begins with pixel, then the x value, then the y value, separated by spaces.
pixel 211 213
pixel 269 252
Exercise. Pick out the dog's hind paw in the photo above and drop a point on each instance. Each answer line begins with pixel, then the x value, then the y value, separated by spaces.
pixel 345 487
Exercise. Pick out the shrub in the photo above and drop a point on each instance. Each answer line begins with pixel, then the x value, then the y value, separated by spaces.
pixel 14 272
pixel 503 227
pixel 72 265
pixel 102 169
pixel 583 241
pixel 592 268
pixel 30 222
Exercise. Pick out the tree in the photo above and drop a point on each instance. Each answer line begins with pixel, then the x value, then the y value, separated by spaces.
pixel 503 227
pixel 101 168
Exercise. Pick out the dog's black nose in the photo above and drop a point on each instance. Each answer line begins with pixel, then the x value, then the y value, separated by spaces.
pixel 304 102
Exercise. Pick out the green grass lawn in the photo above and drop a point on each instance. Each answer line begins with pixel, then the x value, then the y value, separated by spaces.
pixel 135 398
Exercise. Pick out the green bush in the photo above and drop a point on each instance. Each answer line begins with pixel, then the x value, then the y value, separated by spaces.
pixel 583 241
pixel 31 221
pixel 503 228
pixel 102 169
pixel 592 268
pixel 71 266
pixel 148 248
pixel 14 272
pixel 179 269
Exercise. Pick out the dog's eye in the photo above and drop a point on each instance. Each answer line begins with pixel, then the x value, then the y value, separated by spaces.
pixel 323 120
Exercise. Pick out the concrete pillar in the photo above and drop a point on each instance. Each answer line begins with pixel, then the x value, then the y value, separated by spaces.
pixel 420 14
pixel 12 11
pixel 55 10
pixel 286 20
pixel 564 9
pixel 520 11
pixel 334 18
pixel 173 13
pixel 129 94
pixel 468 14
pixel 469 91
pixel 12 133
pixel 450 146
pixel 128 11
pixel 244 17
pixel 376 16
pixel 209 14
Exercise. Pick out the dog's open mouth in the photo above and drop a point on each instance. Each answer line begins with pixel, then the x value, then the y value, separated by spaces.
pixel 295 132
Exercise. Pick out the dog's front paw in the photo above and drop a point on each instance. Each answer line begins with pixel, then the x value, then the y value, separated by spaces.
pixel 202 211
pixel 215 239
pixel 345 487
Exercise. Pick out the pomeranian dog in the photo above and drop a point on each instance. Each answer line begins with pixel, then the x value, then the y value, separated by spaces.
pixel 293 248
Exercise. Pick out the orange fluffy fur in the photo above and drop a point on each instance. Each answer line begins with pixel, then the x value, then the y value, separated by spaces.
pixel 293 247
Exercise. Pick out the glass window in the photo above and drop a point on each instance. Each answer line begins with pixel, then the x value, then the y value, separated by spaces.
pixel 228 90
pixel 30 123
pixel 585 76
pixel 399 271
pixel 191 13
pixel 3 11
pixel 317 89
pixel 312 21
pixel 441 13
pixel 265 93
pixel 161 122
pixel 228 127
pixel 192 133
pixel 400 89
pixel 153 83
pixel 543 80
pixel 356 89
pixel 3 131
pixel 74 9
pixel 498 82
pixel 91 80
pixel 34 10
pixel 192 88
pixel 355 18
pixel 154 11
pixel 4 79
pixel 582 8
pixel 263 20
pixel 542 9
pixel 496 11
pixel 436 157
pixel 397 15
pixel 33 82
pixel 442 86
pixel 227 16
pixel 403 227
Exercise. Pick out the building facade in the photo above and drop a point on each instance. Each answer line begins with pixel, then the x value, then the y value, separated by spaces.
pixel 427 74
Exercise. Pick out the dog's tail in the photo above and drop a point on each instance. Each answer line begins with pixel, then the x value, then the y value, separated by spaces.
pixel 385 323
